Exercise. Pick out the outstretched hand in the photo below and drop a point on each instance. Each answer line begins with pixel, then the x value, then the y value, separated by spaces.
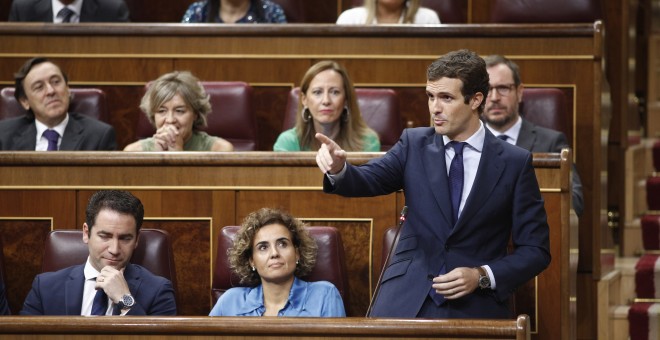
pixel 330 158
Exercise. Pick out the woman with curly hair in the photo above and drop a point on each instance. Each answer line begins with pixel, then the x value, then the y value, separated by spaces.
pixel 271 251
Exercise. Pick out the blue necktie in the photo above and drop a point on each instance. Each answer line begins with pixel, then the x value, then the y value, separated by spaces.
pixel 100 305
pixel 456 178
pixel 52 136
pixel 66 14
pixel 503 137
pixel 456 175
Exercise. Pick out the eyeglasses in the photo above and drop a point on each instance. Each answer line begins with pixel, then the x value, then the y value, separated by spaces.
pixel 502 90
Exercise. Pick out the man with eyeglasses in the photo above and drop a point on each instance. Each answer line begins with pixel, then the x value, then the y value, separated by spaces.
pixel 502 117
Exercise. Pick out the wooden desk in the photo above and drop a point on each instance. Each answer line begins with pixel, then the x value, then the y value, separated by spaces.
pixel 193 195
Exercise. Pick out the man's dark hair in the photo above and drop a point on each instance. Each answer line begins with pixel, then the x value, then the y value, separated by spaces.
pixel 466 66
pixel 496 59
pixel 19 77
pixel 116 200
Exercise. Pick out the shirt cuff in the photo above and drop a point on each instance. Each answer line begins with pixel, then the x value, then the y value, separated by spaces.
pixel 336 177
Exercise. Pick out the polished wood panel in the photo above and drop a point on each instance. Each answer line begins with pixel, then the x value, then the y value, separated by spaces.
pixel 20 238
pixel 194 195
pixel 264 328
pixel 191 242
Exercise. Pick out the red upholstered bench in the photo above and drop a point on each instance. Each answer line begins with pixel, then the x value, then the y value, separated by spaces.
pixel 647 276
pixel 651 232
pixel 656 156
pixel 644 317
pixel 643 321
pixel 653 192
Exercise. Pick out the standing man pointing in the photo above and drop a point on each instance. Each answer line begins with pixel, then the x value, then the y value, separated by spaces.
pixel 468 194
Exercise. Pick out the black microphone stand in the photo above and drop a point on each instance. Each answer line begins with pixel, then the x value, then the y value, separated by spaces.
pixel 395 241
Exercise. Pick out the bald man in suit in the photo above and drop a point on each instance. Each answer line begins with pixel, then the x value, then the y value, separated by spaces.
pixel 83 11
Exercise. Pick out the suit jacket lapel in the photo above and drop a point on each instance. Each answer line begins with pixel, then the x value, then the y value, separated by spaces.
pixel 88 10
pixel 27 139
pixel 73 291
pixel 491 168
pixel 72 134
pixel 44 9
pixel 526 136
pixel 433 158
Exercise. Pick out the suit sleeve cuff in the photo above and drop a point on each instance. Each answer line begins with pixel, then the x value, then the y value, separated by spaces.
pixel 336 177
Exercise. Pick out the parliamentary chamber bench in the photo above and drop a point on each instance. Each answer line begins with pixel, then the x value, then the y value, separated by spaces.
pixel 194 196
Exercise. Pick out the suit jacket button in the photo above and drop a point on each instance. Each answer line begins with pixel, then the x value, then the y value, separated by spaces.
pixel 446 247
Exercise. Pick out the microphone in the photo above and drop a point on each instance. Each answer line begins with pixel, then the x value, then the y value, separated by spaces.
pixel 402 218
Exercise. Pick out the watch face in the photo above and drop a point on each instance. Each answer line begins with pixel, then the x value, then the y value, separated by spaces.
pixel 484 282
pixel 127 301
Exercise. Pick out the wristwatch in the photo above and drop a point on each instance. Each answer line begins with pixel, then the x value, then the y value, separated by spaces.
pixel 484 280
pixel 127 301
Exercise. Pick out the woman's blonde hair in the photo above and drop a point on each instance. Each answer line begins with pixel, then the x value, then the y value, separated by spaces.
pixel 352 128
pixel 184 84
pixel 410 8
pixel 241 252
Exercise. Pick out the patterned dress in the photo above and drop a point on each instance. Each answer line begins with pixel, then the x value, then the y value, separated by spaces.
pixel 272 13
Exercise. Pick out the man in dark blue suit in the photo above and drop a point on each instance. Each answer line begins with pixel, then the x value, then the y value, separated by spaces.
pixel 42 89
pixel 71 11
pixel 451 260
pixel 4 305
pixel 107 284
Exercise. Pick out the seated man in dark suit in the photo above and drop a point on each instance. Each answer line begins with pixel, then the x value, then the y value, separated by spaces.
pixel 4 305
pixel 42 89
pixel 69 11
pixel 502 116
pixel 107 284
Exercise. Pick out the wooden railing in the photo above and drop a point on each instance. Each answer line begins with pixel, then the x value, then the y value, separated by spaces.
pixel 190 328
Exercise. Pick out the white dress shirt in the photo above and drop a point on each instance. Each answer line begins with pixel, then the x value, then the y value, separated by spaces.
pixel 75 6
pixel 42 142
pixel 512 133
pixel 89 291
